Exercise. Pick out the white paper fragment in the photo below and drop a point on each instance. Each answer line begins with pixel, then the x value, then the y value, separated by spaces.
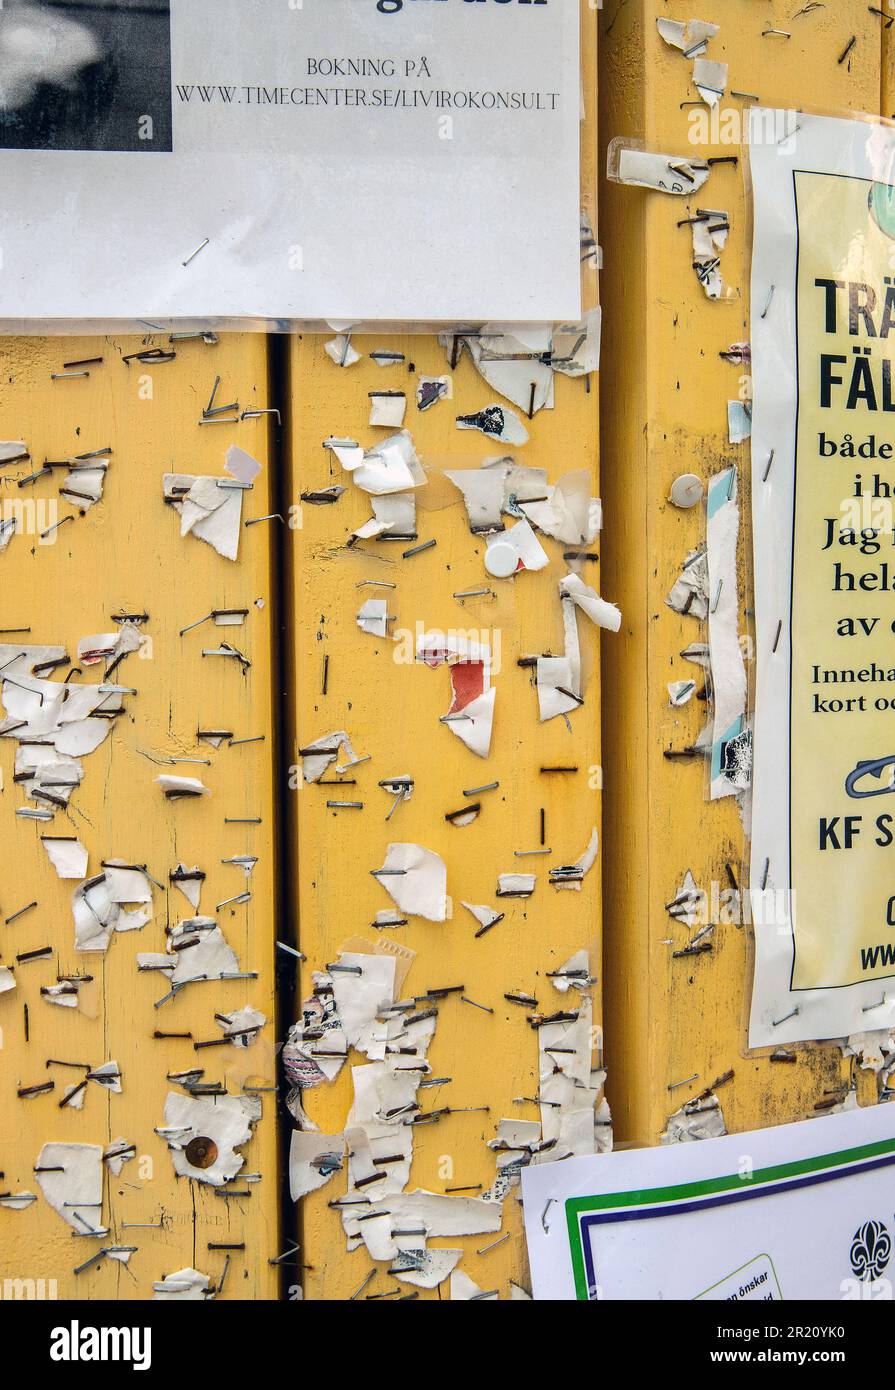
pixel 697 1119
pixel 709 239
pixel 241 465
pixel 176 787
pixel 600 612
pixel 514 550
pixel 574 974
pixel 76 1191
pixel 242 1026
pixel 464 1290
pixel 7 979
pixel 315 1049
pixel 680 692
pixel 222 1125
pixel 690 37
pixel 484 915
pixel 108 646
pixel 388 408
pixel 316 757
pixel 690 592
pixel 392 466
pixel 710 79
pixel 666 173
pixel 119 1152
pixel 432 389
pixel 340 351
pixel 739 421
pixel 209 508
pixel 364 985
pixel 425 1268
pixel 190 887
pixel 185 1285
pixel 576 346
pixel 518 1294
pixel 516 885
pixel 373 618
pixel 198 950
pixel 471 714
pixel 65 995
pixel 13 450
pixel 572 875
pixel 97 915
pixel 731 750
pixel 416 880
pixel 313 1160
pixel 17 1201
pixel 497 422
pixel 67 856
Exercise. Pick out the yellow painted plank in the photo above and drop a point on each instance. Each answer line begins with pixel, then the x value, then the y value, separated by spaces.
pixel 126 555
pixel 391 707
pixel 664 393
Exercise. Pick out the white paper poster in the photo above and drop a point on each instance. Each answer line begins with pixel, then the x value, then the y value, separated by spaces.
pixel 802 1211
pixel 823 505
pixel 289 160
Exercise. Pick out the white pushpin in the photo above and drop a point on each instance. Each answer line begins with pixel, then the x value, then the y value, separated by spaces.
pixel 686 491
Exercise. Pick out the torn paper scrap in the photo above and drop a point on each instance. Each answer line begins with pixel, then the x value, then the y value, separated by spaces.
pixel 204 1135
pixel 392 466
pixel 697 1119
pixel 666 173
pixel 17 1201
pixel 189 882
pixel 71 1179
pixel 731 745
pixel 340 351
pixel 388 408
pixel 316 757
pixel 709 239
pixel 7 979
pixel 364 986
pixel 691 37
pixel 210 509
pixel 680 692
pixel 515 550
pixel 185 1285
pixel 516 885
pixel 432 389
pixel 177 788
pixel 604 614
pixel 313 1160
pixel 465 1290
pixel 690 592
pixel 576 346
pixel 497 422
pixel 710 80
pixel 66 854
pixel 117 1154
pixel 574 974
pixel 373 618
pixel 487 917
pixel 425 1268
pixel 200 951
pixel 242 1026
pixel 572 875
pixel 739 421
pixel 241 465
pixel 109 646
pixel 97 915
pixel 470 716
pixel 416 880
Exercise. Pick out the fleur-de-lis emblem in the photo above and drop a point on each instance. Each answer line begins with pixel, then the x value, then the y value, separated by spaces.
pixel 871 1249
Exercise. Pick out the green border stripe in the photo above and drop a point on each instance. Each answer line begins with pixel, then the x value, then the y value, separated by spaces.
pixel 657 1196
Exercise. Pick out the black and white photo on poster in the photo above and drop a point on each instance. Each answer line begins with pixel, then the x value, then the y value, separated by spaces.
pixel 85 75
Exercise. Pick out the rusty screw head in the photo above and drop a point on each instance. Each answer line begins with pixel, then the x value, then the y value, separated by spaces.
pixel 201 1152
